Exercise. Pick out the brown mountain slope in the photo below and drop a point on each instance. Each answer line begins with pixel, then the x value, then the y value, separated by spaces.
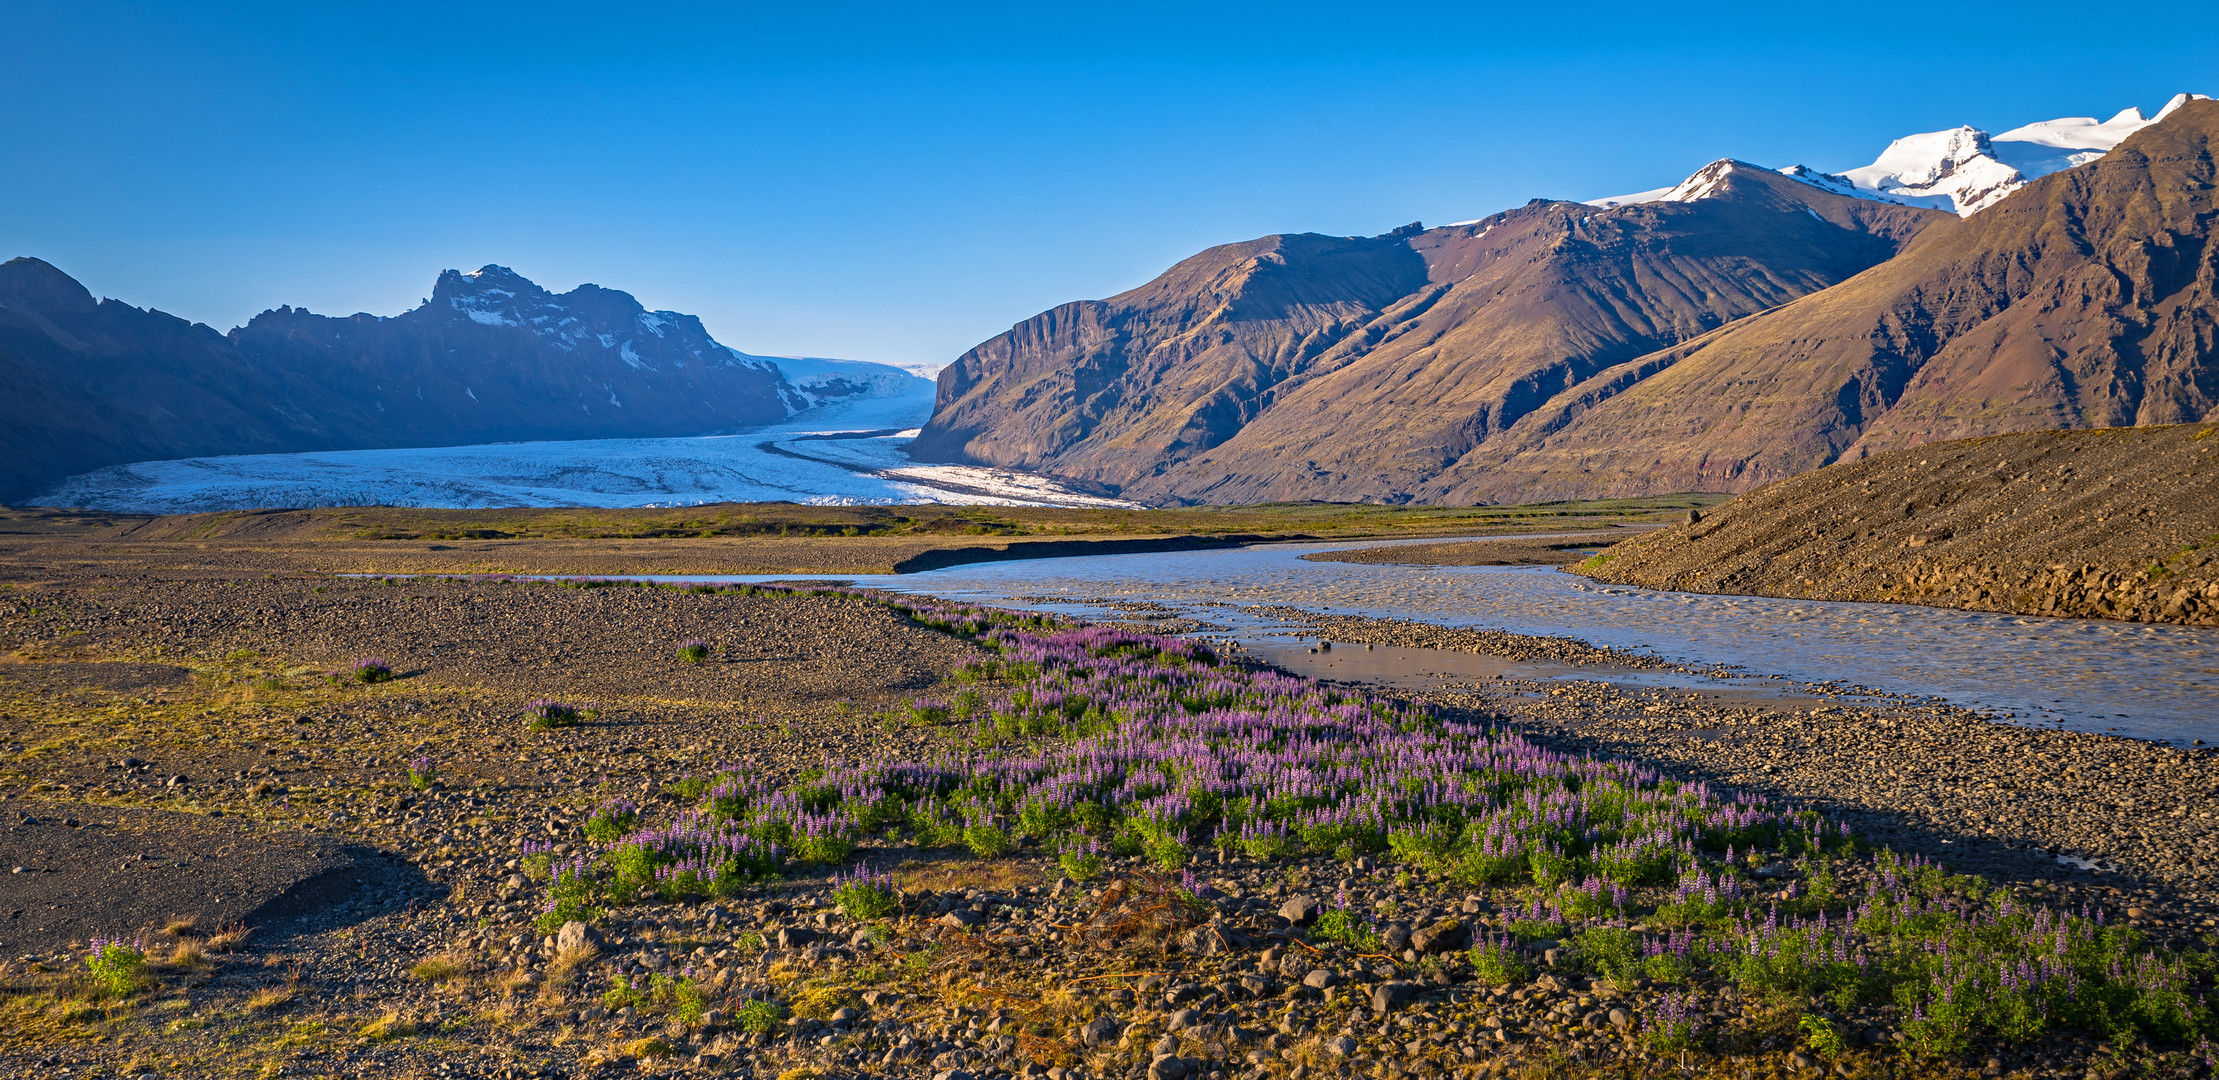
pixel 1307 366
pixel 2085 299
pixel 2118 523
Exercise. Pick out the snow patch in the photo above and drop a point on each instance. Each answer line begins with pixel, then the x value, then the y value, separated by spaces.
pixel 1964 169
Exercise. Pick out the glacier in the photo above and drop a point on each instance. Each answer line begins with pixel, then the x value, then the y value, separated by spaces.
pixel 846 451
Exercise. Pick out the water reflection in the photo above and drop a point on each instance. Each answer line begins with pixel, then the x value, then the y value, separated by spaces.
pixel 2157 682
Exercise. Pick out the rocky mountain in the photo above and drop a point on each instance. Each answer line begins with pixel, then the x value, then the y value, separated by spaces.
pixel 2085 299
pixel 1744 325
pixel 1309 366
pixel 490 357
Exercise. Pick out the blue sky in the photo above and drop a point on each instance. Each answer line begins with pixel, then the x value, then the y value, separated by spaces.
pixel 897 183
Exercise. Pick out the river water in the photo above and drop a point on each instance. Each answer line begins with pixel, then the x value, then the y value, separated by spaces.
pixel 2154 682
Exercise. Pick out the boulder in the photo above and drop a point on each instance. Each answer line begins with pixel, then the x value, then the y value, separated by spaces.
pixel 1389 996
pixel 1319 979
pixel 1301 910
pixel 1448 935
pixel 1100 1031
pixel 794 937
pixel 576 935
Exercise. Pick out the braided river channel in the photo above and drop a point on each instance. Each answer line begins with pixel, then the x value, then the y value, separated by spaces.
pixel 2144 681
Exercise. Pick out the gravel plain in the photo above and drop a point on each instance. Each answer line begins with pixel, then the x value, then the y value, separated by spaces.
pixel 994 967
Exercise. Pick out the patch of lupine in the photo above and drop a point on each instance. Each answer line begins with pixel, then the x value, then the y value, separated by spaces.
pixel 693 650
pixel 864 893
pixel 545 713
pixel 422 772
pixel 369 669
pixel 116 966
pixel 1099 741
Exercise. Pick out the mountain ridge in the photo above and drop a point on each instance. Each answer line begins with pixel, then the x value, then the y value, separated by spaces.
pixel 1227 377
pixel 1565 350
pixel 489 357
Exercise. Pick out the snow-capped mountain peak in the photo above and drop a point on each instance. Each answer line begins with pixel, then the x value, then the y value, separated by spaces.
pixel 590 320
pixel 1702 184
pixel 1961 169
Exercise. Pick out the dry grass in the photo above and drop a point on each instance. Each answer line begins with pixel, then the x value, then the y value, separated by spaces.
pixel 187 956
pixel 271 997
pixel 228 938
pixel 940 875
pixel 440 968
pixel 569 960
pixel 390 1026
pixel 182 926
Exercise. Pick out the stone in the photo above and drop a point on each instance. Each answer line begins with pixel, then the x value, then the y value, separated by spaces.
pixel 1184 1019
pixel 576 935
pixel 1255 985
pixel 1165 1045
pixel 1395 938
pixel 1389 996
pixel 1168 1067
pixel 1183 993
pixel 1340 1046
pixel 1301 910
pixel 1448 935
pixel 847 1014
pixel 1100 1031
pixel 960 918
pixel 794 937
pixel 1621 1019
pixel 1319 979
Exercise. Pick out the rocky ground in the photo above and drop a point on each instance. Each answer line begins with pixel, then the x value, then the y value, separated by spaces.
pixel 2115 523
pixel 179 709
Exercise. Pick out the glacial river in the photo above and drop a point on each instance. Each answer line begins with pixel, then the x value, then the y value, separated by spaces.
pixel 2154 682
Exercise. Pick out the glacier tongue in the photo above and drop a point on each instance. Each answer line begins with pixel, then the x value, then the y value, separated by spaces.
pixel 794 461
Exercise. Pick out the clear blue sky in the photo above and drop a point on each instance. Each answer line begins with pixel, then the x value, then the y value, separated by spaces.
pixel 898 183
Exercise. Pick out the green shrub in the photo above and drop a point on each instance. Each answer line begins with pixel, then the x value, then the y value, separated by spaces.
pixel 759 1017
pixel 117 968
pixel 1499 963
pixel 986 840
pixel 865 894
pixel 1825 1037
